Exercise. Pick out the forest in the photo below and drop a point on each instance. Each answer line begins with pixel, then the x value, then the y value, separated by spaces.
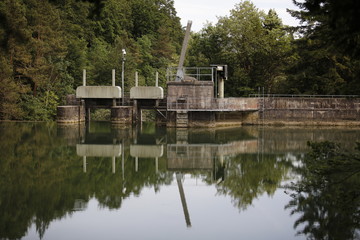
pixel 45 44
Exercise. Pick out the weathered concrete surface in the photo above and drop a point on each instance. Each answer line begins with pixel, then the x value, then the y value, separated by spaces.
pixel 70 114
pixel 146 92
pixel 71 100
pixel 98 150
pixel 146 151
pixel 201 119
pixel 236 104
pixel 121 114
pixel 329 111
pixel 190 94
pixel 98 92
pixel 199 96
pixel 236 118
pixel 201 156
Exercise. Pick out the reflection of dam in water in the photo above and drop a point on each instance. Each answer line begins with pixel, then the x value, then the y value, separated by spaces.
pixel 197 149
pixel 267 140
pixel 179 156
pixel 202 156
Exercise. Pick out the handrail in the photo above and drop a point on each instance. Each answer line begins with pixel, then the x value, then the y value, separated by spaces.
pixel 200 73
pixel 303 96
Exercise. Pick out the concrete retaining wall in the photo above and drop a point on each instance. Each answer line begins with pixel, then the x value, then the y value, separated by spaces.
pixel 332 111
pixel 237 104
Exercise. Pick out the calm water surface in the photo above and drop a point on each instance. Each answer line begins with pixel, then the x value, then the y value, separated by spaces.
pixel 106 182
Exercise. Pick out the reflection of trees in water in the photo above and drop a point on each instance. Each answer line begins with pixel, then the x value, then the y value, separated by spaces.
pixel 42 179
pixel 248 177
pixel 327 198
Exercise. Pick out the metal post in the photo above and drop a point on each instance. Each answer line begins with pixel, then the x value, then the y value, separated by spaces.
pixel 113 84
pixel 113 164
pixel 136 79
pixel 136 164
pixel 84 77
pixel 88 116
pixel 122 76
pixel 123 159
pixel 180 72
pixel 157 79
pixel 221 87
pixel 113 77
pixel 157 165
pixel 183 199
pixel 84 164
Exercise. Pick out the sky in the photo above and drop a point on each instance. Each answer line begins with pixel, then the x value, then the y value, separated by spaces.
pixel 201 11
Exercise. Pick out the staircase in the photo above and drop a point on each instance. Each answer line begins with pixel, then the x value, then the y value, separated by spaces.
pixel 182 119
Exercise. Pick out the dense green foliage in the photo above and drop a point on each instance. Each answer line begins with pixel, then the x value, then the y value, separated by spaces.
pixel 327 198
pixel 319 57
pixel 253 44
pixel 45 44
pixel 327 54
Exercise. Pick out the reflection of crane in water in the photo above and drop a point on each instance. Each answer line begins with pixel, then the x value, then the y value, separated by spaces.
pixel 183 199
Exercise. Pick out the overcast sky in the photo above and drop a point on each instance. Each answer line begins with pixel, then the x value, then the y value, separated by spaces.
pixel 201 11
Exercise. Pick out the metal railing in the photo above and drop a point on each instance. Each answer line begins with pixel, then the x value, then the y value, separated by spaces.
pixel 302 96
pixel 200 73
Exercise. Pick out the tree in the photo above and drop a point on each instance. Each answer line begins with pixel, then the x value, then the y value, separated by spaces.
pixel 253 44
pixel 45 44
pixel 336 22
pixel 327 54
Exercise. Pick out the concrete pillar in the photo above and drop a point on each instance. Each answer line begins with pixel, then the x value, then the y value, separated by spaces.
pixel 221 88
pixel 136 164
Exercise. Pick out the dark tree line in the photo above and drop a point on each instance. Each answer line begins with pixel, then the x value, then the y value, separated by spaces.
pixel 319 57
pixel 45 44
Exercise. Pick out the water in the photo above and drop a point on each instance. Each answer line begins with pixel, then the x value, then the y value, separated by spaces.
pixel 106 182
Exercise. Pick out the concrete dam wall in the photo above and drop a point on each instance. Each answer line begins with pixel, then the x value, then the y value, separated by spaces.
pixel 316 111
